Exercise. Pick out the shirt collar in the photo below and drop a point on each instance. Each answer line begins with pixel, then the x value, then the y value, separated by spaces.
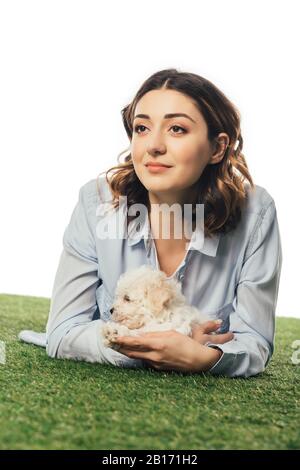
pixel 207 246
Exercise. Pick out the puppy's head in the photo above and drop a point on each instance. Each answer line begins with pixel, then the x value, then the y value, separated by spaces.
pixel 144 294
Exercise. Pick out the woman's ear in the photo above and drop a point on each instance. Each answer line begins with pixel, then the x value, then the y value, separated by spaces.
pixel 220 146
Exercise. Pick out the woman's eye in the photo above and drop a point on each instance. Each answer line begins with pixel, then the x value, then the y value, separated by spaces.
pixel 136 129
pixel 178 127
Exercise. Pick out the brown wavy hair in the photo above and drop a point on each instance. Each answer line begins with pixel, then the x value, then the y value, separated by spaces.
pixel 221 185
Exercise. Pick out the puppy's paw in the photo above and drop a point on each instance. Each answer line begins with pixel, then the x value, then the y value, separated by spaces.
pixel 110 333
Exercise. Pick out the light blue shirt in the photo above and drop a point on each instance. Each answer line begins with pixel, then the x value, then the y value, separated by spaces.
pixel 233 276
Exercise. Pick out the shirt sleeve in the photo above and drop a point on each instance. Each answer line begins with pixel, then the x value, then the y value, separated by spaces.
pixel 71 332
pixel 253 321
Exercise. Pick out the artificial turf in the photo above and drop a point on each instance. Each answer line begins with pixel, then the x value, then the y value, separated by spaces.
pixel 50 403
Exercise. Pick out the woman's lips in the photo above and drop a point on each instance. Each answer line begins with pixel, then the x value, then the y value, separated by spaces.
pixel 157 168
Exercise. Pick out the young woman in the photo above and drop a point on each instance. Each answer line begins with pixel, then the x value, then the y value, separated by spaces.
pixel 231 272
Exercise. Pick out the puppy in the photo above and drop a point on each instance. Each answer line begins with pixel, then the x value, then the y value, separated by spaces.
pixel 145 300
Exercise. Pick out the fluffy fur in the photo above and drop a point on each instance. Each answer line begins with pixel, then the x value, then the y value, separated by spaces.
pixel 145 301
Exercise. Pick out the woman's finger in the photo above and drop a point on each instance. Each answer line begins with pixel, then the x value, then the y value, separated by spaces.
pixel 157 333
pixel 147 355
pixel 204 328
pixel 146 342
pixel 134 353
pixel 211 325
pixel 221 338
pixel 132 347
pixel 130 341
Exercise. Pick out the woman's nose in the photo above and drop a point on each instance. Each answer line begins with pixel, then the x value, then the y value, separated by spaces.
pixel 156 146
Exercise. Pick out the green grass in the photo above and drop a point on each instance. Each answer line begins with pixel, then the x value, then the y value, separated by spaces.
pixel 62 404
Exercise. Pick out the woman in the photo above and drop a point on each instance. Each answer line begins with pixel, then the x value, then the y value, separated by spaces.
pixel 232 272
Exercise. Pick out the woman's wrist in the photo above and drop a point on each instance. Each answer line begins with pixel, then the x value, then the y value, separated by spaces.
pixel 216 354
pixel 207 357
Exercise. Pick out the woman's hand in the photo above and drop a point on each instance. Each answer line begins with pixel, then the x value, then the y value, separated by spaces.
pixel 207 333
pixel 170 350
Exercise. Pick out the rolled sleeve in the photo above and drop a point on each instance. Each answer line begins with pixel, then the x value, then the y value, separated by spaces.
pixel 253 321
pixel 71 332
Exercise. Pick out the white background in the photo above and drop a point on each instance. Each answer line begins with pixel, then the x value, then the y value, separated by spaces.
pixel 69 67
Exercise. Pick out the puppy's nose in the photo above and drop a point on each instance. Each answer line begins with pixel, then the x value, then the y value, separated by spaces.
pixel 111 310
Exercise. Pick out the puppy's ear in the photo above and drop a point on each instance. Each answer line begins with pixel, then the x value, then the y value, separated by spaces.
pixel 161 298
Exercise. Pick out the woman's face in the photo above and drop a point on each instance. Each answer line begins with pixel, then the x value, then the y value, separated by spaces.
pixel 180 142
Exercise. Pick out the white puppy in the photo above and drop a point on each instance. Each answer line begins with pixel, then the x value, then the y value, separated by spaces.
pixel 145 300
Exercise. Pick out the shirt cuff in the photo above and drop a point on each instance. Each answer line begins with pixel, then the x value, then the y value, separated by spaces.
pixel 225 362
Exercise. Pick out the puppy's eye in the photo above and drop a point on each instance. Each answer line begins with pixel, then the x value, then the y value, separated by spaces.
pixel 126 298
